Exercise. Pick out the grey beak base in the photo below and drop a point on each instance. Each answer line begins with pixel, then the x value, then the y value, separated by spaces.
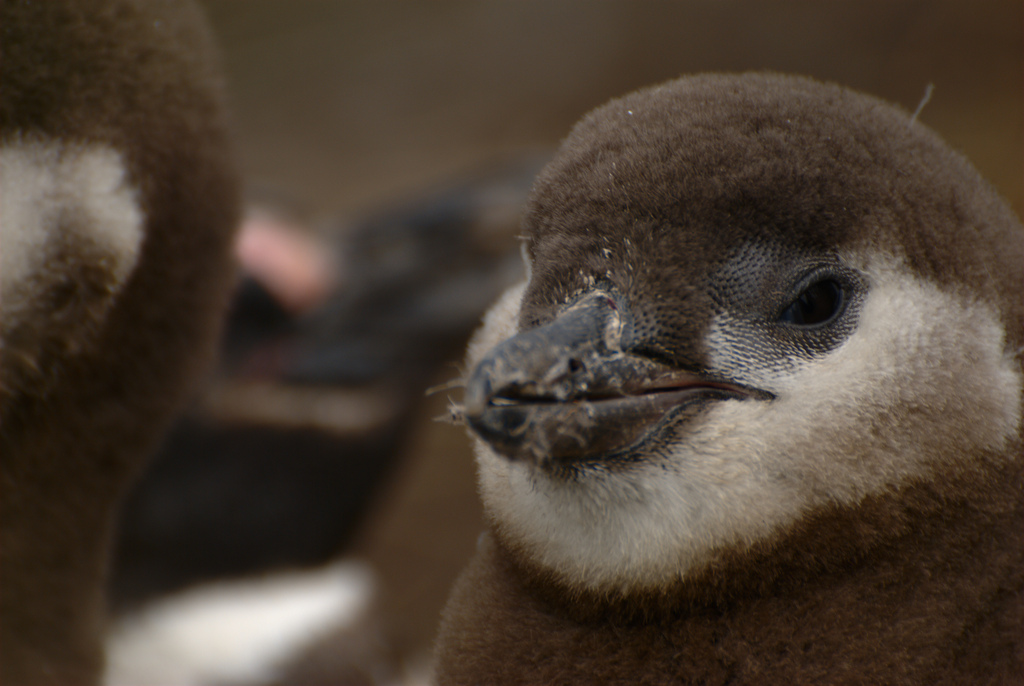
pixel 569 391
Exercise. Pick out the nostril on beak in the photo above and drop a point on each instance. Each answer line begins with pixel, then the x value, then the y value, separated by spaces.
pixel 575 365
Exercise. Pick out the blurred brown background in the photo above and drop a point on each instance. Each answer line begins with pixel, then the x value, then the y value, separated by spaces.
pixel 348 104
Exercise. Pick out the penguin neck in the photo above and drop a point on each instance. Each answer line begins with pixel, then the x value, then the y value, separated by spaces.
pixel 906 549
pixel 938 600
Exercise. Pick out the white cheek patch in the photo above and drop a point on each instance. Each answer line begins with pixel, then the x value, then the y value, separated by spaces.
pixel 49 191
pixel 923 381
pixel 70 235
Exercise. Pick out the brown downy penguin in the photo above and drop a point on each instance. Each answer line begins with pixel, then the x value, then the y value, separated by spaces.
pixel 756 415
pixel 118 204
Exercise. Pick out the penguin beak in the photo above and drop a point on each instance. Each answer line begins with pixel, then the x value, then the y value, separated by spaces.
pixel 570 392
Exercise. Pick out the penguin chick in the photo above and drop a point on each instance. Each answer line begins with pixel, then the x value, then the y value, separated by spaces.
pixel 756 415
pixel 118 204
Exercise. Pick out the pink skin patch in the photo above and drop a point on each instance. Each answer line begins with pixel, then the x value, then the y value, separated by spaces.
pixel 295 266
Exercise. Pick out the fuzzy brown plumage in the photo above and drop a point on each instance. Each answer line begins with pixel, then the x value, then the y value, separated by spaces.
pixel 82 406
pixel 922 582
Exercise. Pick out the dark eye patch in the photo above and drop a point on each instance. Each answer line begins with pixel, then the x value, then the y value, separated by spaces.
pixel 777 305
pixel 819 303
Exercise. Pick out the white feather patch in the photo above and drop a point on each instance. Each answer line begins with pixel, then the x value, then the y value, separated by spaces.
pixel 55 194
pixel 234 632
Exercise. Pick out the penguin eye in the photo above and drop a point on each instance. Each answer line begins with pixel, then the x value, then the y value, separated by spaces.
pixel 819 303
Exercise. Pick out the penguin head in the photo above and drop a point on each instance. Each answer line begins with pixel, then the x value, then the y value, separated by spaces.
pixel 752 299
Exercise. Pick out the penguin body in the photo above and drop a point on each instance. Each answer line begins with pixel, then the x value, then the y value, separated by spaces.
pixel 756 415
pixel 118 205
